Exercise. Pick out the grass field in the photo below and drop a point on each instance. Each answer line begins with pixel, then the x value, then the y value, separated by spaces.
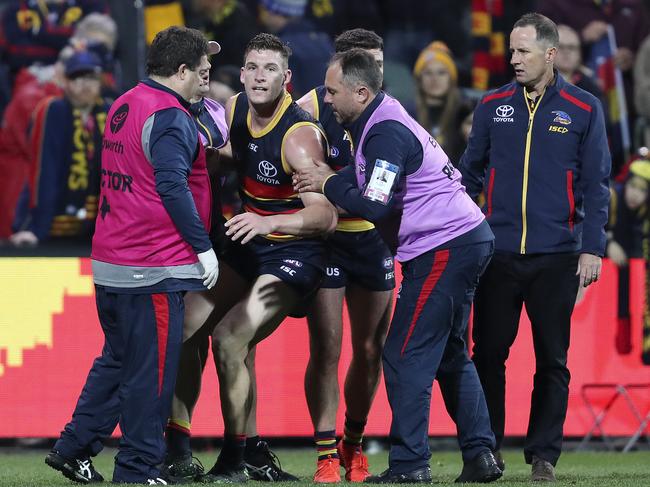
pixel 26 468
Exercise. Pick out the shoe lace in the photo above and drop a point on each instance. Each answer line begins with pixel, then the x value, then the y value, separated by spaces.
pixel 273 459
pixel 85 468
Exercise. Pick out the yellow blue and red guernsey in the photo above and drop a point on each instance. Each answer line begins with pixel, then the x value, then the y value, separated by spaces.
pixel 265 176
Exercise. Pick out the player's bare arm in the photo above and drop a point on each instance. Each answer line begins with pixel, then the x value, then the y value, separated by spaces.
pixel 302 148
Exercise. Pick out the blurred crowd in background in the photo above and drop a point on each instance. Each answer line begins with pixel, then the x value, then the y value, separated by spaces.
pixel 63 62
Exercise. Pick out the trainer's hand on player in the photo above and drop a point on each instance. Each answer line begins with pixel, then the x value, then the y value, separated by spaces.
pixel 246 225
pixel 208 260
pixel 311 179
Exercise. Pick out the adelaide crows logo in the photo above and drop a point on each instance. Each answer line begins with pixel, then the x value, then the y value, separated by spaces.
pixel 561 117
pixel 119 117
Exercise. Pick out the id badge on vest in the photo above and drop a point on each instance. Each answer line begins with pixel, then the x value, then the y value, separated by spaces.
pixel 381 181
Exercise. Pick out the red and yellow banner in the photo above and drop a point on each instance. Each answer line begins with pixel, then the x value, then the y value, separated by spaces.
pixel 49 336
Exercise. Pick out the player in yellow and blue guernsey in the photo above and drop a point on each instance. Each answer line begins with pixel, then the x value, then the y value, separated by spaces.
pixel 361 270
pixel 276 257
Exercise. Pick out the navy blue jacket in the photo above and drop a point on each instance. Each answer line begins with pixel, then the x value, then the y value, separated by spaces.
pixel 545 173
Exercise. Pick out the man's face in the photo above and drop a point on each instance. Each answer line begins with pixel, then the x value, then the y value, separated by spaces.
pixel 83 90
pixel 264 75
pixel 529 57
pixel 568 57
pixel 197 81
pixel 341 96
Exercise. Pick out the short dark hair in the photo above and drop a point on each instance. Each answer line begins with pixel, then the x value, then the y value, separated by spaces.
pixel 359 67
pixel 175 46
pixel 358 38
pixel 545 28
pixel 268 42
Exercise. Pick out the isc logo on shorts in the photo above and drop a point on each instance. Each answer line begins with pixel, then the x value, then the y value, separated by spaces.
pixel 389 275
pixel 293 262
pixel 288 270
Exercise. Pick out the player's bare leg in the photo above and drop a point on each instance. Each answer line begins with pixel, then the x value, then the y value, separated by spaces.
pixel 246 324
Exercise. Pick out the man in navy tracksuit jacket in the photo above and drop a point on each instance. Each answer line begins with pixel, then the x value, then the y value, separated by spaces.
pixel 538 150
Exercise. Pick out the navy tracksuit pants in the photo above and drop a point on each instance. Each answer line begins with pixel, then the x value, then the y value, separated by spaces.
pixel 547 285
pixel 426 341
pixel 131 382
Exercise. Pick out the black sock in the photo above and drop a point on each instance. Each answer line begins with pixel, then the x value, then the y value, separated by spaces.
pixel 353 431
pixel 178 441
pixel 232 452
pixel 251 443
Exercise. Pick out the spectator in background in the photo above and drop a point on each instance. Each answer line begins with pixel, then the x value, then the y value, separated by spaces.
pixel 33 84
pixel 230 21
pixel 66 140
pixel 438 98
pixel 642 91
pixel 35 31
pixel 98 33
pixel 568 62
pixel 311 48
pixel 628 226
pixel 590 18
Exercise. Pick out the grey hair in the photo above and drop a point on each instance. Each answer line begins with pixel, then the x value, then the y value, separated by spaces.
pixel 96 22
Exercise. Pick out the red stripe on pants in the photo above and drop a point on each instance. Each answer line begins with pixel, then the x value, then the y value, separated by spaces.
pixel 161 313
pixel 440 259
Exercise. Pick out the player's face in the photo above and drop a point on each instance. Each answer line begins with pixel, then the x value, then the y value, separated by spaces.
pixel 341 96
pixel 265 76
pixel 378 54
pixel 530 58
pixel 435 80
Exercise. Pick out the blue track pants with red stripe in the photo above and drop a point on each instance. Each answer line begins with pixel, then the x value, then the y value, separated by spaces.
pixel 426 341
pixel 131 382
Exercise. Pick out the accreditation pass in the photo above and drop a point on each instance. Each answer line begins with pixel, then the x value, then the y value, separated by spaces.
pixel 381 181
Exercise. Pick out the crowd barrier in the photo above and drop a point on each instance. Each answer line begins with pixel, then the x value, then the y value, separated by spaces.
pixel 49 335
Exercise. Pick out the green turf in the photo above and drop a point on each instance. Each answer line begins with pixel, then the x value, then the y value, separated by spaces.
pixel 576 469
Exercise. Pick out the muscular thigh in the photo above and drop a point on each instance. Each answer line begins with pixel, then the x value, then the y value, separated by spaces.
pixel 258 314
pixel 204 309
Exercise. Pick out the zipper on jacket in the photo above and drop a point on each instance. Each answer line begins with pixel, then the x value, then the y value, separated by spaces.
pixel 524 190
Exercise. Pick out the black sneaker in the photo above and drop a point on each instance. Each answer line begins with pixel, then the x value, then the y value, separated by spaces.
pixel 501 463
pixel 419 476
pixel 222 473
pixel 263 465
pixel 157 481
pixel 183 470
pixel 79 470
pixel 482 469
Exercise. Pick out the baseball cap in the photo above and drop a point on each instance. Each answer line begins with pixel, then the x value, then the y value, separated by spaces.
pixel 213 47
pixel 83 62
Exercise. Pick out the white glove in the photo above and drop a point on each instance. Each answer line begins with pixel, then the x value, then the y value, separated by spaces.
pixel 208 260
pixel 24 238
